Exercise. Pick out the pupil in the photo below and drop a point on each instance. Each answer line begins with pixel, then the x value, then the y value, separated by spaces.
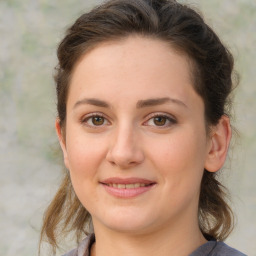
pixel 97 120
pixel 159 120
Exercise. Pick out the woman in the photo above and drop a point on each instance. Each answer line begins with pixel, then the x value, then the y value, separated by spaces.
pixel 143 91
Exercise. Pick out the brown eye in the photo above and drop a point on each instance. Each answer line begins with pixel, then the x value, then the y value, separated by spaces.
pixel 160 120
pixel 97 120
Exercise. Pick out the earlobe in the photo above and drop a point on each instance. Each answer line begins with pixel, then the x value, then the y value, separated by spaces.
pixel 219 144
pixel 62 141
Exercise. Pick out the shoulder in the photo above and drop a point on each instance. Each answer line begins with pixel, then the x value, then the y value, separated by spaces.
pixel 84 247
pixel 223 249
pixel 71 253
pixel 214 248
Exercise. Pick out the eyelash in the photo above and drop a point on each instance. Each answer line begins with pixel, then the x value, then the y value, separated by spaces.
pixel 169 119
pixel 85 120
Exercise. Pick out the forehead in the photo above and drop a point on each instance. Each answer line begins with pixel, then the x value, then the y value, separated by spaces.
pixel 143 46
pixel 133 64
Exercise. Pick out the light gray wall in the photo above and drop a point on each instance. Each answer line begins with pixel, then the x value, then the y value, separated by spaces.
pixel 29 172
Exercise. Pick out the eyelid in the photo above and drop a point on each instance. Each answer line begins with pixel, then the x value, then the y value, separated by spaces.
pixel 169 117
pixel 86 117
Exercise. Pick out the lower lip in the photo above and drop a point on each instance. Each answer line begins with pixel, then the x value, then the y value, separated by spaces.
pixel 127 193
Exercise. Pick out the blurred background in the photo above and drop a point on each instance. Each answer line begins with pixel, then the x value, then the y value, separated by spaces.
pixel 29 164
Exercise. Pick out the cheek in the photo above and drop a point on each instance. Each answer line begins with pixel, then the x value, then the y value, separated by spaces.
pixel 84 154
pixel 84 160
pixel 180 158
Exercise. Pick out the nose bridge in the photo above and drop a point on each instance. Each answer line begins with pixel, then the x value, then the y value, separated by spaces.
pixel 125 150
pixel 125 136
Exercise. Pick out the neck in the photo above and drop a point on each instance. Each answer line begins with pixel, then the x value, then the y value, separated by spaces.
pixel 177 240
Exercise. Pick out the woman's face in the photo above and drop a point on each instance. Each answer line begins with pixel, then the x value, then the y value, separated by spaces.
pixel 135 140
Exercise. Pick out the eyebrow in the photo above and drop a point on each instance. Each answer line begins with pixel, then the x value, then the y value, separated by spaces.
pixel 140 103
pixel 158 101
pixel 94 102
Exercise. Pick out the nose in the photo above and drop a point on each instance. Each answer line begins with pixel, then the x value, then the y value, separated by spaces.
pixel 125 150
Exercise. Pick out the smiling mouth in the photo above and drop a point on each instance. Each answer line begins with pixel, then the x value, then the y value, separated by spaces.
pixel 128 186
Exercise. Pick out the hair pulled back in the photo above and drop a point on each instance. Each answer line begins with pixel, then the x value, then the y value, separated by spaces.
pixel 212 64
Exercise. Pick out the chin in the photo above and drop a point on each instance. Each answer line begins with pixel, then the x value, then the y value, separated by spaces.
pixel 127 222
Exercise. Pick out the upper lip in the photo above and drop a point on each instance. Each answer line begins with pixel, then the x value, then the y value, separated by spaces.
pixel 132 180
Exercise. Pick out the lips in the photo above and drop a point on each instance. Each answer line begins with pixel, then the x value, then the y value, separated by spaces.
pixel 127 188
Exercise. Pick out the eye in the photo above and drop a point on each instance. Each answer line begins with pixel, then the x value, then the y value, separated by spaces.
pixel 160 120
pixel 97 120
pixel 94 120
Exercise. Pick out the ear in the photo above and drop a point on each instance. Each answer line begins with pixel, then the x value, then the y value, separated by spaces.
pixel 218 145
pixel 62 141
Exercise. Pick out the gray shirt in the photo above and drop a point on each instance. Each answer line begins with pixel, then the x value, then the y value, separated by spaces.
pixel 211 248
pixel 214 248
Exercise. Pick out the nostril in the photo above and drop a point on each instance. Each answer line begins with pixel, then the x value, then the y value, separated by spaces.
pixel 112 163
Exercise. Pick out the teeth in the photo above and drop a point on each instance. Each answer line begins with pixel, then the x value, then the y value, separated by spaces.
pixel 127 186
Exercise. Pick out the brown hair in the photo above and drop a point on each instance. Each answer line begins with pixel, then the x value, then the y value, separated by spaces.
pixel 185 30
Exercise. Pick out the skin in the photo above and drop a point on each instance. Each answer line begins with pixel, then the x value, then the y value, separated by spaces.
pixel 126 139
